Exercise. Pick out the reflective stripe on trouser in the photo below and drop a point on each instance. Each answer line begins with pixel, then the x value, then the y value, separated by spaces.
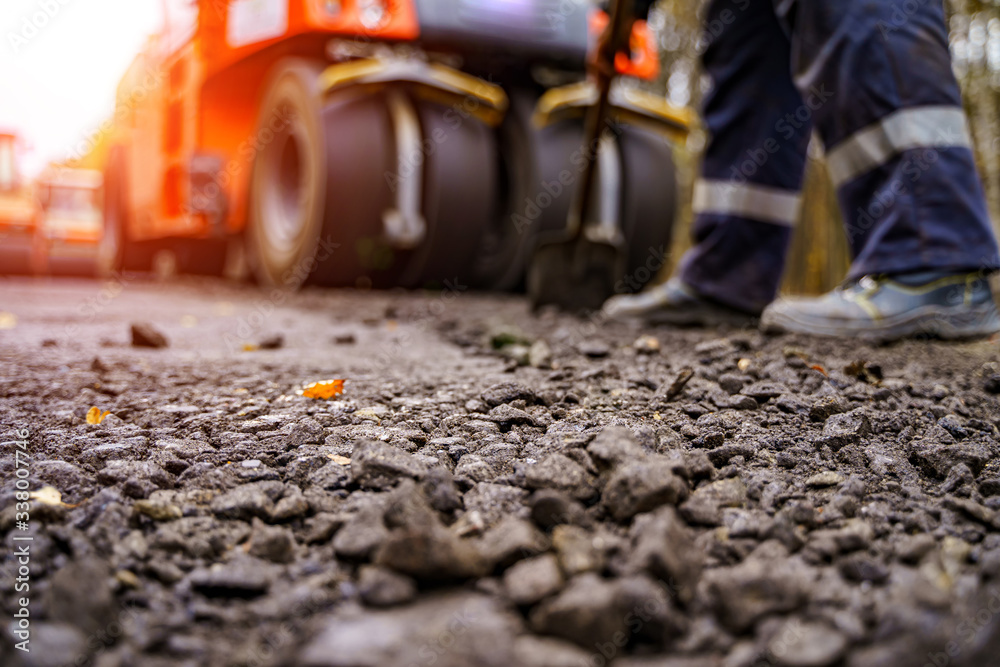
pixel 878 86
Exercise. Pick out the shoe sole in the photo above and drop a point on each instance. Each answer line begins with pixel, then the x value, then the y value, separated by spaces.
pixel 929 322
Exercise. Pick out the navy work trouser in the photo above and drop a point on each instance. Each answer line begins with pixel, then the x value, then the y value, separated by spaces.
pixel 874 79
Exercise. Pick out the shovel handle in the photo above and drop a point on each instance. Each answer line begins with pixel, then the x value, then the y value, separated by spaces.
pixel 602 71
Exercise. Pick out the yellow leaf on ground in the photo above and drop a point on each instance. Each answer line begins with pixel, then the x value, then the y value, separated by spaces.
pixel 7 320
pixel 47 495
pixel 338 459
pixel 95 416
pixel 249 347
pixel 326 389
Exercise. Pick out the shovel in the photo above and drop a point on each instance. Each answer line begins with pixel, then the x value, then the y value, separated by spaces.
pixel 577 268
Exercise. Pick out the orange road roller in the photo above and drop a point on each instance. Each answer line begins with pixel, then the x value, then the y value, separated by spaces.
pixel 376 142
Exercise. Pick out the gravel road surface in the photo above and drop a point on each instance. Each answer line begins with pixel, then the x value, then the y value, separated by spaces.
pixel 492 488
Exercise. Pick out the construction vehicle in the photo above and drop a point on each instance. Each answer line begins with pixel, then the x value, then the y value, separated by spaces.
pixel 374 142
pixel 18 215
pixel 70 221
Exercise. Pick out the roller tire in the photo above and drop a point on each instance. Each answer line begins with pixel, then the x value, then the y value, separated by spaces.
pixel 459 196
pixel 287 201
pixel 649 200
pixel 360 153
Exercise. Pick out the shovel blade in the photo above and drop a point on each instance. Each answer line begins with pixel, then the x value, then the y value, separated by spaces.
pixel 576 276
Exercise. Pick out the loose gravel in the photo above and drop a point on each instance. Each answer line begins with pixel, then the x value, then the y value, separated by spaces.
pixel 494 487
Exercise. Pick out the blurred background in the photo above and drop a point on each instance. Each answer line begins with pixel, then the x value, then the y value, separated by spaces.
pixel 64 62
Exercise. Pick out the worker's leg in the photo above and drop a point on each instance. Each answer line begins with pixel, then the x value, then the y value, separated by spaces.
pixel 748 195
pixel 897 144
pixel 747 198
pixel 900 157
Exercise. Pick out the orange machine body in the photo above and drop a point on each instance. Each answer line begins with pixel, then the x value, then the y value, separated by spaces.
pixel 195 91
pixel 18 213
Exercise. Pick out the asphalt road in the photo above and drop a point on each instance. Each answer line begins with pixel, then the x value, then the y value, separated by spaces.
pixel 493 487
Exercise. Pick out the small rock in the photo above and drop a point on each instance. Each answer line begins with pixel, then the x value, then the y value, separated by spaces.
pixel 861 566
pixel 272 543
pixel 738 402
pixel 507 392
pixel 474 467
pixel 642 486
pixel 158 510
pixel 506 416
pixel 990 487
pixel 578 550
pixel 705 505
pixel 844 429
pixel 792 404
pixel 138 479
pixel 767 582
pixel 361 535
pixel 828 406
pixel 912 548
pixel 561 473
pixel 937 460
pixel 763 391
pixel 291 506
pixel 476 630
pixel 239 578
pixel 377 465
pixel 824 479
pixel 807 644
pixel 511 540
pixel 329 477
pixel 145 334
pixel 53 645
pixel 992 384
pixel 247 501
pixel 533 651
pixel 664 547
pixel 272 342
pixel 421 546
pixel 80 595
pixel 380 587
pixel 595 349
pixel 540 355
pixel 613 446
pixel 592 611
pixel 493 502
pixel 551 508
pixel 531 580
pixel 731 383
pixel 585 613
pixel 973 510
pixel 646 344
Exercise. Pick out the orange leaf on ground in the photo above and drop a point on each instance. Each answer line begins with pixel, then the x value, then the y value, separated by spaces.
pixel 95 416
pixel 326 389
pixel 817 367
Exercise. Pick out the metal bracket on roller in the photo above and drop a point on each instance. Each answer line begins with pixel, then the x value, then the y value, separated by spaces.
pixel 405 227
pixel 628 104
pixel 431 81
